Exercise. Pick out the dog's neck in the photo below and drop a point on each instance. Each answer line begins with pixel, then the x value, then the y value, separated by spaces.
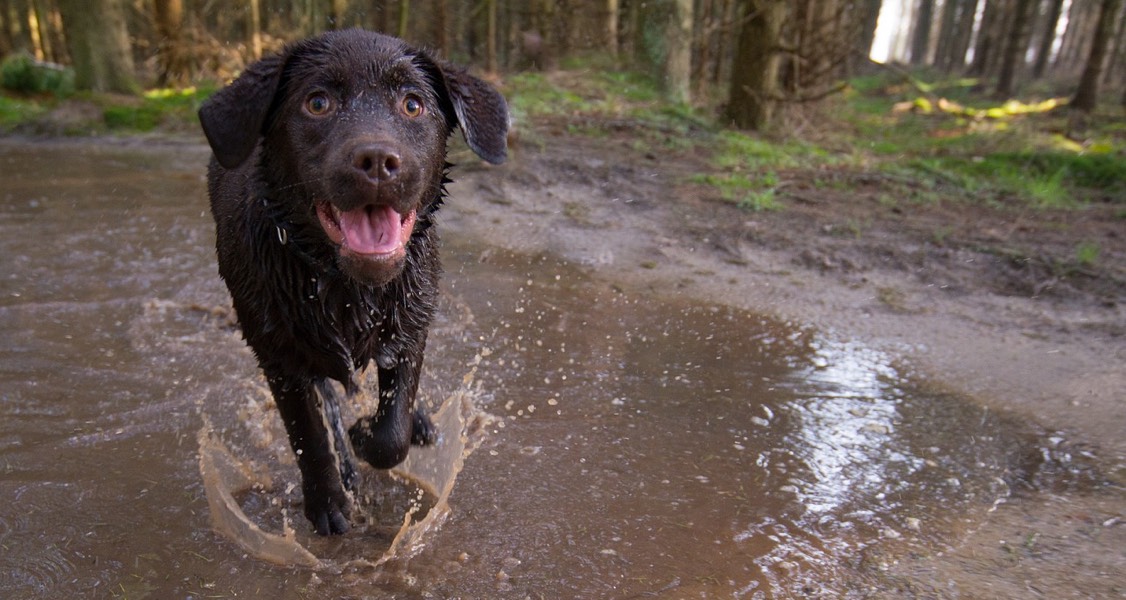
pixel 289 235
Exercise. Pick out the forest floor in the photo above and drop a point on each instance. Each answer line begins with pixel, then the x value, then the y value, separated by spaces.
pixel 995 299
pixel 1000 280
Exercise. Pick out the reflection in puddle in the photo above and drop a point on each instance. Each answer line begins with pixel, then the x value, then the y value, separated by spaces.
pixel 643 447
pixel 843 433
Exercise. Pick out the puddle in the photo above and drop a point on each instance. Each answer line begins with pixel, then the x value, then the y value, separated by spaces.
pixel 595 443
pixel 401 506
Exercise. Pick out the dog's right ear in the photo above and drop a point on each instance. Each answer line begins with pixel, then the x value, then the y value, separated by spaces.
pixel 233 117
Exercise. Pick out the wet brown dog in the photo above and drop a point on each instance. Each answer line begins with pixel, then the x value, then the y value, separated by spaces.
pixel 329 164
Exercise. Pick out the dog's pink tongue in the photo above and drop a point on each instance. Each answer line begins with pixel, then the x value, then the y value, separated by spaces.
pixel 371 229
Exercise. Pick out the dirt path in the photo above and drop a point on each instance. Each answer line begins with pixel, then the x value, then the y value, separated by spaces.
pixel 988 301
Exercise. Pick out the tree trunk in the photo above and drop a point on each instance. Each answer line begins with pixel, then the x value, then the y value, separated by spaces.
pixel 1087 95
pixel 442 28
pixel 336 16
pixel 754 79
pixel 1055 7
pixel 255 30
pixel 404 19
pixel 508 31
pixel 946 33
pixel 678 59
pixel 1123 69
pixel 377 15
pixel 956 59
pixel 14 36
pixel 491 62
pixel 6 43
pixel 312 14
pixel 921 41
pixel 1081 24
pixel 612 28
pixel 37 42
pixel 42 11
pixel 1115 51
pixel 870 14
pixel 821 47
pixel 1015 47
pixel 173 57
pixel 728 34
pixel 99 47
pixel 703 46
pixel 636 37
pixel 989 37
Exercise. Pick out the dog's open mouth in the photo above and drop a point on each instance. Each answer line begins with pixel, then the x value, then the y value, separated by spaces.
pixel 371 231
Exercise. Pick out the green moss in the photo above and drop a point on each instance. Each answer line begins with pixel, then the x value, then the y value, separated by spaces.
pixel 754 193
pixel 157 108
pixel 14 111
pixel 1087 254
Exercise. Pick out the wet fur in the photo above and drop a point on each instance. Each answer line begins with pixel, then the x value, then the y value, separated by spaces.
pixel 310 312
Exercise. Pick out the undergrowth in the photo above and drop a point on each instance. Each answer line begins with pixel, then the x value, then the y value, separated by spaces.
pixel 930 137
pixel 970 148
pixel 158 109
pixel 933 138
pixel 15 111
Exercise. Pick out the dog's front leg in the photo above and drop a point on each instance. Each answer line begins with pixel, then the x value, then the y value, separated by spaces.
pixel 327 505
pixel 384 438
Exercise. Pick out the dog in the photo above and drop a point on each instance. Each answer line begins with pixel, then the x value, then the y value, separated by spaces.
pixel 328 166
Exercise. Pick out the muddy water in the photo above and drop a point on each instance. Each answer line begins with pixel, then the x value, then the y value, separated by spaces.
pixel 627 447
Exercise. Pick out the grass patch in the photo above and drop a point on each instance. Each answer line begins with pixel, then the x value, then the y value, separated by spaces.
pixel 945 136
pixel 936 139
pixel 740 151
pixel 753 193
pixel 1087 254
pixel 595 103
pixel 85 113
pixel 14 111
pixel 157 108
pixel 1043 179
pixel 532 95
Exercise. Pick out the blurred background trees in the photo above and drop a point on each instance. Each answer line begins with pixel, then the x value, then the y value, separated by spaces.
pixel 741 59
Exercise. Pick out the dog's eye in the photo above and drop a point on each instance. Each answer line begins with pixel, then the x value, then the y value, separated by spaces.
pixel 318 104
pixel 412 106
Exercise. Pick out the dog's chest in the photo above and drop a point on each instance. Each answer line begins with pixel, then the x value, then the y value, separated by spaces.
pixel 350 317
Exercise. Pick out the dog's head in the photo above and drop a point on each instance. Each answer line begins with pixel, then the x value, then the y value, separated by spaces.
pixel 353 127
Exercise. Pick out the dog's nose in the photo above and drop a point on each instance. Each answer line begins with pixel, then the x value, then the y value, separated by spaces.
pixel 377 162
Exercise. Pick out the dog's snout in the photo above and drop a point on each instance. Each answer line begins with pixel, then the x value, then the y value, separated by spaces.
pixel 377 162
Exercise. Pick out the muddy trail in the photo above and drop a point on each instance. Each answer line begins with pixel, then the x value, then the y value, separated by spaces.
pixel 651 394
pixel 982 301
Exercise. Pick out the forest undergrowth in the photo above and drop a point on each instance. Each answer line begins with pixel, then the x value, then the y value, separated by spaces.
pixel 895 152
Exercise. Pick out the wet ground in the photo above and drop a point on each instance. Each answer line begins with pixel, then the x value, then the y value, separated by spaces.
pixel 626 446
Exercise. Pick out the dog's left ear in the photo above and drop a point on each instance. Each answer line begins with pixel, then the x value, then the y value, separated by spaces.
pixel 479 110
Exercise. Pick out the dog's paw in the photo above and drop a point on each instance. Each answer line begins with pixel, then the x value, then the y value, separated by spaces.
pixel 423 431
pixel 377 444
pixel 383 445
pixel 329 513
